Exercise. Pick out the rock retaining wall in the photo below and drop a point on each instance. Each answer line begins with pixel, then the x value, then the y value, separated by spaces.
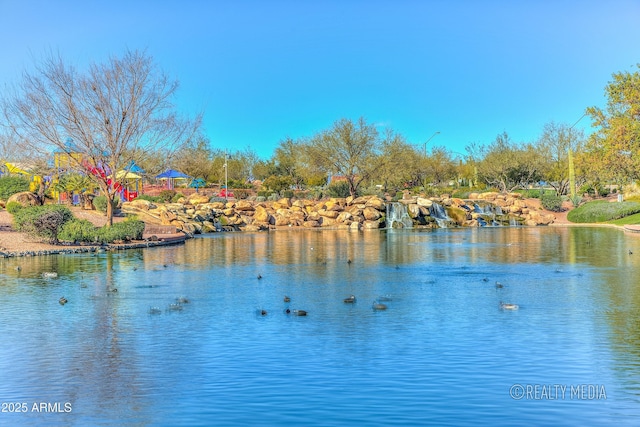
pixel 197 214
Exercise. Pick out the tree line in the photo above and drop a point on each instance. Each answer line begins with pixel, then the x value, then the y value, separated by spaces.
pixel 121 112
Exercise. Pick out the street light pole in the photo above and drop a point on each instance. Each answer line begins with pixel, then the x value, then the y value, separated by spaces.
pixel 430 138
pixel 572 170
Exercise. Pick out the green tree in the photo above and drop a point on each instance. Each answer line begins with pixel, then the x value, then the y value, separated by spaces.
pixel 398 164
pixel 195 159
pixel 71 183
pixel 10 185
pixel 507 166
pixel 111 112
pixel 348 149
pixel 287 161
pixel 440 167
pixel 616 141
pixel 554 145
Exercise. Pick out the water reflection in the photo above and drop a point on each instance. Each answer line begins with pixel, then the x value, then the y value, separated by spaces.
pixel 443 352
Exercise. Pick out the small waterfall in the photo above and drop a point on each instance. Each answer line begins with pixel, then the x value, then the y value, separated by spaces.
pixel 440 215
pixel 513 222
pixel 487 214
pixel 398 216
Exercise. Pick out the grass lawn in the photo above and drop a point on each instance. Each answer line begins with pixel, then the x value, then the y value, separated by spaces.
pixel 618 213
pixel 627 220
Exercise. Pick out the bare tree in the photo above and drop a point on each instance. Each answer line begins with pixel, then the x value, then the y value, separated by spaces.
pixel 110 113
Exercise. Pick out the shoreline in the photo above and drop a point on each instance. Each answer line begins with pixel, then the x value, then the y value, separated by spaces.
pixel 15 244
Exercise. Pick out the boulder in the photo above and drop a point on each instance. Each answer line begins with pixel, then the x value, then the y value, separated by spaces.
pixel 371 213
pixel 344 217
pixel 198 199
pixel 421 201
pixel 371 225
pixel 243 205
pixel 285 201
pixel 376 203
pixel 327 222
pixel 414 211
pixel 25 198
pixel 492 195
pixel 458 215
pixel 141 204
pixel 281 220
pixel 167 217
pixel 261 215
pixel 328 213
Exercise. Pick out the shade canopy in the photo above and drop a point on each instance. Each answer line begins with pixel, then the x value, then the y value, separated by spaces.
pixel 127 175
pixel 198 182
pixel 172 174
pixel 133 167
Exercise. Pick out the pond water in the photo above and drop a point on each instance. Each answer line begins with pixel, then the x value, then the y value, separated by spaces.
pixel 444 352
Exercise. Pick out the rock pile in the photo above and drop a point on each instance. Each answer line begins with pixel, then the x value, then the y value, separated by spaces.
pixel 197 214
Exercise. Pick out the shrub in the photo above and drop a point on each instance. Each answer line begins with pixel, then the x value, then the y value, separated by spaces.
pixel 100 203
pixel 301 194
pixel 176 197
pixel 152 199
pixel 287 193
pixel 461 193
pixel 552 202
pixel 576 200
pixel 77 230
pixel 602 210
pixel 166 195
pixel 13 207
pixel 10 185
pixel 42 221
pixel 339 189
pixel 131 229
pixel 241 193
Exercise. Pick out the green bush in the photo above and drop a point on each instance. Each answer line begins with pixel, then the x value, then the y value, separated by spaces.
pixel 176 197
pixel 166 195
pixel 100 203
pixel 152 199
pixel 13 207
pixel 241 193
pixel 602 210
pixel 125 231
pixel 10 185
pixel 77 230
pixel 552 202
pixel 593 189
pixel 265 193
pixel 42 221
pixel 339 189
pixel 460 193
pixel 575 200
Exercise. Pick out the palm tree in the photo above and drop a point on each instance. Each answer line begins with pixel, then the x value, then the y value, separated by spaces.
pixel 79 184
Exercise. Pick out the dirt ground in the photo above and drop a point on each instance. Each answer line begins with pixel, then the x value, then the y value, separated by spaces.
pixel 13 241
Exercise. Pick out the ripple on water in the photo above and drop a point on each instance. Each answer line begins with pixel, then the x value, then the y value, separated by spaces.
pixel 442 353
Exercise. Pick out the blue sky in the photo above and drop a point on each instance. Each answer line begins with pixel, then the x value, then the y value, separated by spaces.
pixel 261 71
